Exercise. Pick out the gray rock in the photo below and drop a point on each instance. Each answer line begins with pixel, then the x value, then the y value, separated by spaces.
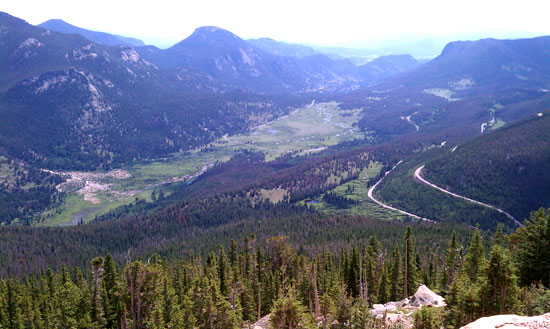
pixel 511 321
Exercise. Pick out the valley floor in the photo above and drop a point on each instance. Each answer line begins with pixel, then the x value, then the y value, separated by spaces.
pixel 304 131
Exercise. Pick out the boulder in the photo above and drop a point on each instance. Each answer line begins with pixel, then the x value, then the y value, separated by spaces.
pixel 511 321
pixel 263 323
pixel 425 297
pixel 379 309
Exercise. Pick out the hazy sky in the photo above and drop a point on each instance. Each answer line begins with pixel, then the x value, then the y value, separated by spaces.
pixel 335 22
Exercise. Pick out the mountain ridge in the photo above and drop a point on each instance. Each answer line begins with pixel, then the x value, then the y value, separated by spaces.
pixel 99 37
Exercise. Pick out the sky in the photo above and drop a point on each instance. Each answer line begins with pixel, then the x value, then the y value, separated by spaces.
pixel 349 23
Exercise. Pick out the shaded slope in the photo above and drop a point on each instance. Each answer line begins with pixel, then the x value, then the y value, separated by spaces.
pixel 469 84
pixel 507 168
pixel 66 102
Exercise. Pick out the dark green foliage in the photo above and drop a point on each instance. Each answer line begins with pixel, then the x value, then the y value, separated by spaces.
pixel 268 276
pixel 499 289
pixel 288 313
pixel 474 260
pixel 396 275
pixel 26 191
pixel 507 168
pixel 533 249
pixel 451 266
pixel 425 319
pixel 401 190
pixel 410 270
pixel 535 299
pixel 339 202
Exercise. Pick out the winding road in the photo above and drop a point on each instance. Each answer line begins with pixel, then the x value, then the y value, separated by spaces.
pixel 371 190
pixel 417 175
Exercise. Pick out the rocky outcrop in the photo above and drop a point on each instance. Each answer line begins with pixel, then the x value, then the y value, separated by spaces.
pixel 263 323
pixel 401 312
pixel 510 321
pixel 425 297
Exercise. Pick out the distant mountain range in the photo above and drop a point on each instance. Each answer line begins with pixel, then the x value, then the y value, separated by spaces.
pixel 471 84
pixel 66 102
pixel 357 56
pixel 69 102
pixel 97 37
pixel 282 48
pixel 63 94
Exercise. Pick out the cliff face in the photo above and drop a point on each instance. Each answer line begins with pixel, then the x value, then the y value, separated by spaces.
pixel 511 321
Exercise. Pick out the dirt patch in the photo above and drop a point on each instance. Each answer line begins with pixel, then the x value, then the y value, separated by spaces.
pixel 89 184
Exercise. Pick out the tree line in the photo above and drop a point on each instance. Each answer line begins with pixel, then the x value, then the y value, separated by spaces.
pixel 236 285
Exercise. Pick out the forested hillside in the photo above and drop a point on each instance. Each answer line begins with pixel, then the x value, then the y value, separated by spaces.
pixel 507 168
pixel 245 279
pixel 25 191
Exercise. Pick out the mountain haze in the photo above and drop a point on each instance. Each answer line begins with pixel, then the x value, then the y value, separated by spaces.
pixel 97 37
pixel 468 85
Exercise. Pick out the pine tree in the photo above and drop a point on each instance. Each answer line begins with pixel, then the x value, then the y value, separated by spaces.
pixel 111 298
pixel 451 263
pixel 396 276
pixel 533 244
pixel 13 309
pixel 353 273
pixel 289 313
pixel 409 265
pixel 96 313
pixel 222 271
pixel 499 291
pixel 475 258
pixel 384 288
pixel 342 307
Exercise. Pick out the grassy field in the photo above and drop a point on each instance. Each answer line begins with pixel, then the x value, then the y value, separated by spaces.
pixel 357 190
pixel 306 130
pixel 73 204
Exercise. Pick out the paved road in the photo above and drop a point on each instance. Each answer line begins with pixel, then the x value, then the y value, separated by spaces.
pixel 417 175
pixel 371 190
